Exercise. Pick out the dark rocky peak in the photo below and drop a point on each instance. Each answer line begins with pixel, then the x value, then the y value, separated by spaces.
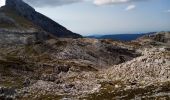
pixel 48 25
pixel 21 7
pixel 17 4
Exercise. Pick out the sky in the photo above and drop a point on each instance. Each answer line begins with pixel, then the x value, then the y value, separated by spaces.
pixel 88 17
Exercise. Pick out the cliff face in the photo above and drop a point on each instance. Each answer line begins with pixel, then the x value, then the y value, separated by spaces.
pixel 40 20
pixel 16 37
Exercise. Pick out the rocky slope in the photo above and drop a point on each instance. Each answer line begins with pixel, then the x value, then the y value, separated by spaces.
pixel 55 63
pixel 80 69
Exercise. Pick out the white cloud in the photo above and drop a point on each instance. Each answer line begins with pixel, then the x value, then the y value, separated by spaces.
pixel 105 2
pixel 168 11
pixel 41 3
pixel 2 3
pixel 130 7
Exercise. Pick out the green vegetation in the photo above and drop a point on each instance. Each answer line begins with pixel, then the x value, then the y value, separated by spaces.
pixel 61 43
pixel 15 62
pixel 29 49
pixel 110 92
pixel 19 19
pixel 6 25
pixel 15 82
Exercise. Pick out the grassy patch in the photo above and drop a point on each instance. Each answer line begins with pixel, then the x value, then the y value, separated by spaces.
pixel 29 49
pixel 109 92
pixel 14 82
pixel 6 25
pixel 23 22
pixel 14 62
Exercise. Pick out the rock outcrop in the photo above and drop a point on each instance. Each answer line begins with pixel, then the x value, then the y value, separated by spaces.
pixel 159 38
pixel 7 93
pixel 163 37
pixel 16 37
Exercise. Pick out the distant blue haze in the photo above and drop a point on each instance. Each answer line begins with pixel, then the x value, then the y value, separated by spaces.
pixel 121 37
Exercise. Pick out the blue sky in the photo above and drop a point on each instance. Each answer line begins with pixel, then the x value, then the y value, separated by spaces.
pixel 112 17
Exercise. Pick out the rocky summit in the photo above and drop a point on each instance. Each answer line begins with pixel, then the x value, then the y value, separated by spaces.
pixel 35 64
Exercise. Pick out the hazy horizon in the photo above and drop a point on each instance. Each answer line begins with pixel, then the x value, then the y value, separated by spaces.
pixel 88 17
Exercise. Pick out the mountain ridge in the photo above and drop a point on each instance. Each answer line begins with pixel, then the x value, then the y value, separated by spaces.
pixel 120 37
pixel 47 24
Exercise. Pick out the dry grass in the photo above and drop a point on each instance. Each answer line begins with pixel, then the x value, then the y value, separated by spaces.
pixel 23 22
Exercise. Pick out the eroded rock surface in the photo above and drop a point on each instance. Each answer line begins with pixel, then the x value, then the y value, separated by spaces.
pixel 80 69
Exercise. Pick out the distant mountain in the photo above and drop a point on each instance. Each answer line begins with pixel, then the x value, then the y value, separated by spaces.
pixel 121 37
pixel 19 14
